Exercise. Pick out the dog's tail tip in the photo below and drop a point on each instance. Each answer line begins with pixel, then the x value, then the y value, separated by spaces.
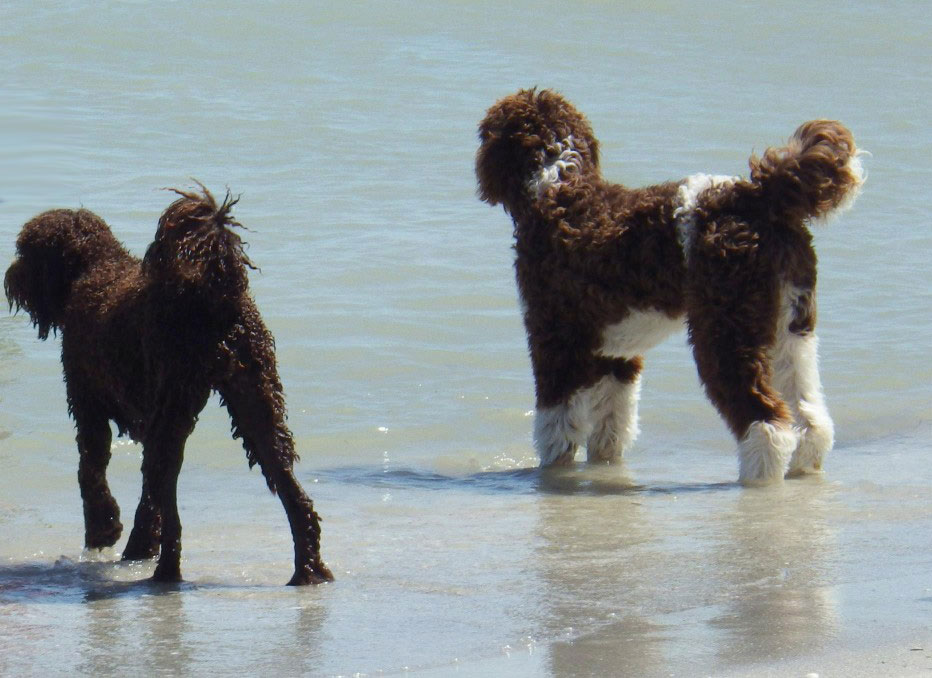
pixel 203 205
pixel 819 172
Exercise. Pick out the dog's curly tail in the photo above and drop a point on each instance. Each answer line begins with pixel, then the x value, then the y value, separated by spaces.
pixel 817 173
pixel 196 248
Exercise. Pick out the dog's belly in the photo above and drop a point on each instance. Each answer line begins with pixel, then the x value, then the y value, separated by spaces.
pixel 639 332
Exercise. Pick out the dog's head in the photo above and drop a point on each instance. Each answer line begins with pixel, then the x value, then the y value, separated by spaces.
pixel 523 133
pixel 195 246
pixel 52 251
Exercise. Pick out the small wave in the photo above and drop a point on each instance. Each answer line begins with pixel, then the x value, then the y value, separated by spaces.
pixel 87 579
pixel 580 479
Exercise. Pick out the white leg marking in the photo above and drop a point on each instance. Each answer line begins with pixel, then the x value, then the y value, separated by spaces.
pixel 560 430
pixel 796 377
pixel 764 452
pixel 614 409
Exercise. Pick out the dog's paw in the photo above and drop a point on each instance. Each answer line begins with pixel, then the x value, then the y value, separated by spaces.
pixel 814 443
pixel 764 453
pixel 105 536
pixel 311 574
pixel 141 546
pixel 167 573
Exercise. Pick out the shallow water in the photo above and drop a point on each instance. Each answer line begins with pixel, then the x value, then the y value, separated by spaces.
pixel 350 132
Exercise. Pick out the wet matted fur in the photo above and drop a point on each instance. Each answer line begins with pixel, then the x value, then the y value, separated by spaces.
pixel 606 272
pixel 144 342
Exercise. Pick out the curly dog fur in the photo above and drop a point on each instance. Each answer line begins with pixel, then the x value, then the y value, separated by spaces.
pixel 606 272
pixel 144 342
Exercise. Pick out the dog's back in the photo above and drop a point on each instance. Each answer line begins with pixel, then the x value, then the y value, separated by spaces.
pixel 125 321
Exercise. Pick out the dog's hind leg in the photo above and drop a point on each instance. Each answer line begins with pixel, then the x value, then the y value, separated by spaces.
pixel 613 404
pixel 163 454
pixel 764 451
pixel 737 375
pixel 260 422
pixel 817 429
pixel 102 526
pixel 796 376
pixel 249 386
pixel 163 444
pixel 305 527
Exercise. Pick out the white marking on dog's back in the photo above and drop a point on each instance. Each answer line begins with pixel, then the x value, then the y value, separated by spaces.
pixel 687 198
pixel 567 160
pixel 639 332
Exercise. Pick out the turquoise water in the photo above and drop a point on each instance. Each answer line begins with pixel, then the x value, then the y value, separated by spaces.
pixel 349 130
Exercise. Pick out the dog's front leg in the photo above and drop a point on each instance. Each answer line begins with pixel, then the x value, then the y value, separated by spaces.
pixel 560 429
pixel 614 409
pixel 102 526
pixel 562 420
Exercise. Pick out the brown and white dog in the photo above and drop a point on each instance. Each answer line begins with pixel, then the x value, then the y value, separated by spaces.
pixel 606 272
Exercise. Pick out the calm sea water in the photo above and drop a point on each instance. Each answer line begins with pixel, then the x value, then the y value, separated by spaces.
pixel 349 130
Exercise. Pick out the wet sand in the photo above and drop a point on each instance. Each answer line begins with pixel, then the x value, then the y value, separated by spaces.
pixel 511 571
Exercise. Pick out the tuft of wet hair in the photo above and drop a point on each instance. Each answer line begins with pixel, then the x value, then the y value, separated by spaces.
pixel 199 208
pixel 196 242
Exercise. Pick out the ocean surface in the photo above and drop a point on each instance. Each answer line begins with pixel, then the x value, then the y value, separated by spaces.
pixel 349 130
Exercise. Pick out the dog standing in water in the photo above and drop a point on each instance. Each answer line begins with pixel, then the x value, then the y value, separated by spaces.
pixel 606 272
pixel 144 342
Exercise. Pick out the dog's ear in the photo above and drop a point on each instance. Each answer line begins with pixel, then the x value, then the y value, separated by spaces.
pixel 511 145
pixel 566 122
pixel 498 166
pixel 28 286
pixel 50 258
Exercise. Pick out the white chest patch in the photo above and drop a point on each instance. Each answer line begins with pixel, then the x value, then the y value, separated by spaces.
pixel 638 333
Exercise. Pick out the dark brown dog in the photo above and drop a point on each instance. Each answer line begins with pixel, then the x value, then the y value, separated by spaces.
pixel 606 272
pixel 143 345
